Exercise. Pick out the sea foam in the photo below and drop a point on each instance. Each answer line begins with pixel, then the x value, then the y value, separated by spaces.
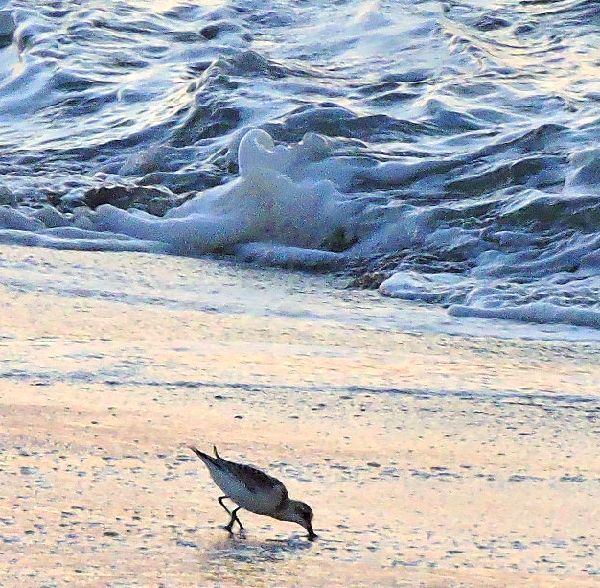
pixel 263 205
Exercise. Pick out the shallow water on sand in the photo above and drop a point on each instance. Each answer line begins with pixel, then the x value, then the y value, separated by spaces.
pixel 450 147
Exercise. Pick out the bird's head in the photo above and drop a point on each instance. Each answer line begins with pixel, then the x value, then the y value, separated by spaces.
pixel 301 513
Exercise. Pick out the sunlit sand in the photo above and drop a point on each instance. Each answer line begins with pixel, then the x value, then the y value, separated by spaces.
pixel 427 458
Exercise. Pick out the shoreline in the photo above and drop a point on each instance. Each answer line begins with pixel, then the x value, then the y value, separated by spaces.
pixel 103 382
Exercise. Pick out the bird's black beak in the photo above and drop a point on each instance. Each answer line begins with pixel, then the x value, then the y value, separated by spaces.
pixel 311 534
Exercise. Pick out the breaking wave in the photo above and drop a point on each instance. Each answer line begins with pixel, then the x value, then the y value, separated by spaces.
pixel 442 152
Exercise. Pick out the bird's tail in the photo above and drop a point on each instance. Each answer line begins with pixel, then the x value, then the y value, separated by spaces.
pixel 203 456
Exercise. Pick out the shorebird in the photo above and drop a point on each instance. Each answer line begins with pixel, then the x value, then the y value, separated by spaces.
pixel 255 491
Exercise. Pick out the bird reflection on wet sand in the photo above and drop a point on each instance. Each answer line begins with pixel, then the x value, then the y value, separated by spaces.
pixel 238 556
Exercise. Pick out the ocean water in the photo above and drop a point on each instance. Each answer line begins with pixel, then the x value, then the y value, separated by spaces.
pixel 442 152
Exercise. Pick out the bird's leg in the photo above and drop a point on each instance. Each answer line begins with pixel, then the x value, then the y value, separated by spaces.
pixel 221 503
pixel 236 518
pixel 233 516
pixel 229 525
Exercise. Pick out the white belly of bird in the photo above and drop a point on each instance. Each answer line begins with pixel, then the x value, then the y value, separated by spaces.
pixel 261 502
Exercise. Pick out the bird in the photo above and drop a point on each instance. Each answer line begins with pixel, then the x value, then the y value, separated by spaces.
pixel 254 491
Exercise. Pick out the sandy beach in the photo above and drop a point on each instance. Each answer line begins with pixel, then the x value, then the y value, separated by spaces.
pixel 355 244
pixel 430 458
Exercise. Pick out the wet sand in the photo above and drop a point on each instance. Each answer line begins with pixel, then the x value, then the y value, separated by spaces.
pixel 429 458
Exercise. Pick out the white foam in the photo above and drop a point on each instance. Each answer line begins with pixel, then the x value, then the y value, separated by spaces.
pixel 535 312
pixel 93 242
pixel 288 208
pixel 289 257
pixel 11 218
pixel 263 205
pixel 410 285
pixel 50 217
pixel 284 215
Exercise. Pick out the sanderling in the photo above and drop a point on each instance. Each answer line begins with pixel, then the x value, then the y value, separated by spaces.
pixel 255 491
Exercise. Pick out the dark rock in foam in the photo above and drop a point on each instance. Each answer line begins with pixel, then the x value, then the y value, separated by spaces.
pixel 154 200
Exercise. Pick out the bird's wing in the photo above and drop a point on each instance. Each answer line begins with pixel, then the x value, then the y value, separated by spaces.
pixel 255 480
pixel 250 478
